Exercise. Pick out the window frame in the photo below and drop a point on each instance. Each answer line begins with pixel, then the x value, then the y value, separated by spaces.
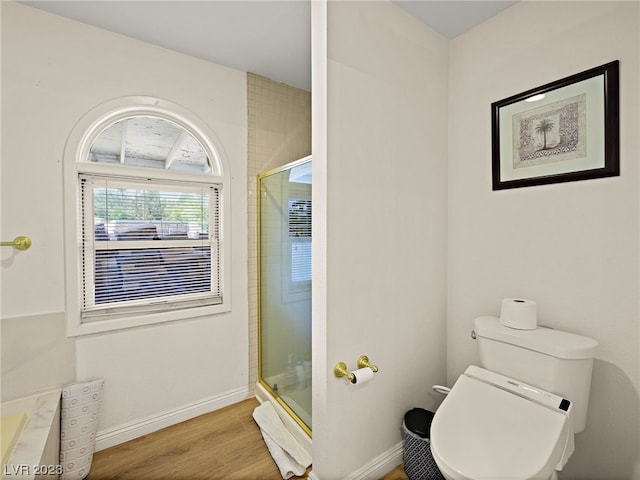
pixel 76 164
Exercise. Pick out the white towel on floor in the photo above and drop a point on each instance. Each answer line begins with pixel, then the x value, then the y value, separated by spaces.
pixel 290 457
pixel 288 466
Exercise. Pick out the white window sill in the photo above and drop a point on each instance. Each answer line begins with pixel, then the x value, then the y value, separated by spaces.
pixel 75 328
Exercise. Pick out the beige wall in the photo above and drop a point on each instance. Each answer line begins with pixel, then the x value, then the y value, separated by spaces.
pixel 572 247
pixel 279 129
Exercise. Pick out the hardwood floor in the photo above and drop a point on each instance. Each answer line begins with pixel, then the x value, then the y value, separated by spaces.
pixel 396 474
pixel 225 444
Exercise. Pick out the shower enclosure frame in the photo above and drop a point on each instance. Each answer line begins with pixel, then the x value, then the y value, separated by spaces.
pixel 263 387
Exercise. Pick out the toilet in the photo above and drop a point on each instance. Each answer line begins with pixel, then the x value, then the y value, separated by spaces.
pixel 515 417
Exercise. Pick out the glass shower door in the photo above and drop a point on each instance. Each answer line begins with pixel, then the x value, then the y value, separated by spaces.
pixel 285 287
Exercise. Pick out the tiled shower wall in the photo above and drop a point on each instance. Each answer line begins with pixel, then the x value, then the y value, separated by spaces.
pixel 279 129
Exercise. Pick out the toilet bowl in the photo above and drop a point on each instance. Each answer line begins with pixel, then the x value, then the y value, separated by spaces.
pixel 493 427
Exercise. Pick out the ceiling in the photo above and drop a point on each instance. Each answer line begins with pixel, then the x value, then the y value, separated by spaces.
pixel 269 38
pixel 150 142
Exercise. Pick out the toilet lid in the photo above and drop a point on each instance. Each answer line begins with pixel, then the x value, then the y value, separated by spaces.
pixel 483 432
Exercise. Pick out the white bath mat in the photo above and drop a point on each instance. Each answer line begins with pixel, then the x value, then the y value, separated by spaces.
pixel 290 457
pixel 78 426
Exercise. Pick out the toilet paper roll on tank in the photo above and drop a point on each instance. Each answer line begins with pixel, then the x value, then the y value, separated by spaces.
pixel 519 313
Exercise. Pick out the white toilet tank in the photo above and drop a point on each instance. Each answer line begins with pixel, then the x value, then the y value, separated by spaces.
pixel 556 361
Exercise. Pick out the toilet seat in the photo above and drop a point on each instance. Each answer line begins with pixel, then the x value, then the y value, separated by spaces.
pixel 492 427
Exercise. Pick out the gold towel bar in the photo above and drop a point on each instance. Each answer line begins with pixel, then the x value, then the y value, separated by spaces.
pixel 21 243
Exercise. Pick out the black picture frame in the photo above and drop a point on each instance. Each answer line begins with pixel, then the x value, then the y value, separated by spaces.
pixel 563 131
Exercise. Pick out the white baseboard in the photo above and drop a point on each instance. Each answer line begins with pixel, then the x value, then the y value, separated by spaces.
pixel 376 468
pixel 128 431
pixel 381 465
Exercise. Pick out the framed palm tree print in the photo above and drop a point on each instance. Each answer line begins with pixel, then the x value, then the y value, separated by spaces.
pixel 563 131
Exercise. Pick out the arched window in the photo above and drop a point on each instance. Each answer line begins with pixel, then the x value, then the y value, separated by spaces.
pixel 144 193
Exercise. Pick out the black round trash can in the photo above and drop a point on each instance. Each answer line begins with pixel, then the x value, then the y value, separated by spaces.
pixel 418 460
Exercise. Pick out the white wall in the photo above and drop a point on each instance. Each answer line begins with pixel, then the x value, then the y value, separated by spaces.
pixel 380 195
pixel 36 355
pixel 53 71
pixel 380 220
pixel 571 247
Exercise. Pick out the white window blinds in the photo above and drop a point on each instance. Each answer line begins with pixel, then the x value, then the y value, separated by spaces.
pixel 148 246
pixel 300 239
